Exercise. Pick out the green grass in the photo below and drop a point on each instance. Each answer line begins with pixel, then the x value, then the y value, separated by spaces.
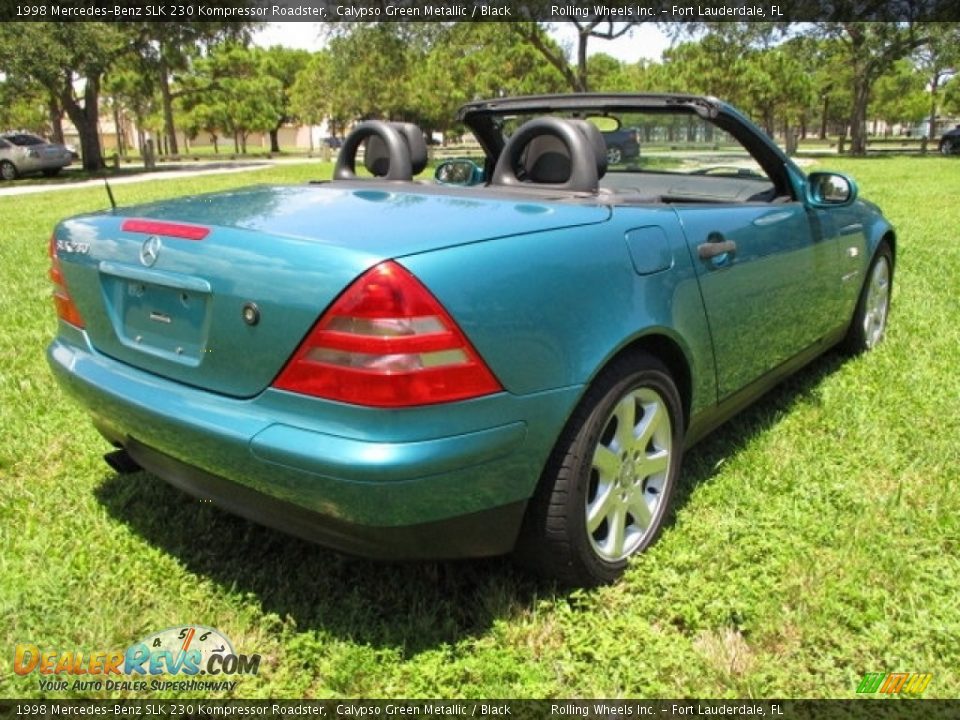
pixel 815 537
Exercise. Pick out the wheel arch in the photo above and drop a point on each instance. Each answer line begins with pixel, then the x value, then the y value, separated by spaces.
pixel 660 345
pixel 655 344
pixel 890 238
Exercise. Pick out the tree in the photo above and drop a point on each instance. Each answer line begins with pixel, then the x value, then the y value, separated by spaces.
pixel 283 65
pixel 825 63
pixel 711 66
pixel 472 61
pixel 869 49
pixel 951 96
pixel 370 68
pixel 607 74
pixel 600 26
pixel 938 59
pixel 70 60
pixel 133 92
pixel 227 91
pixel 314 95
pixel 900 96
pixel 24 106
pixel 167 48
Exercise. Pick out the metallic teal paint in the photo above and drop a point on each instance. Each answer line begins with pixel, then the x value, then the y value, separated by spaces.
pixel 548 292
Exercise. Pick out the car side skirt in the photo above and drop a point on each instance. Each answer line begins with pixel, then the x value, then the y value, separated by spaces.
pixel 709 420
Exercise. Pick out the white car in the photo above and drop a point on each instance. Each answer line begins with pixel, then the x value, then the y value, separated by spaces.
pixel 22 153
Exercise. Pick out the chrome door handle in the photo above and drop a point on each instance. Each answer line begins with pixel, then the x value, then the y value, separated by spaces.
pixel 715 247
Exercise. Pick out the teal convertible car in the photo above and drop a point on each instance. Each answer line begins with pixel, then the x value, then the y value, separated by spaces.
pixel 510 356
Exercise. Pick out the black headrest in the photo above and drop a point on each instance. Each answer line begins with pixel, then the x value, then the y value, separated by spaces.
pixel 394 151
pixel 594 136
pixel 376 157
pixel 548 152
pixel 415 141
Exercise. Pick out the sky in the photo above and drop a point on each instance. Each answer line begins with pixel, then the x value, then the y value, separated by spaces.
pixel 645 41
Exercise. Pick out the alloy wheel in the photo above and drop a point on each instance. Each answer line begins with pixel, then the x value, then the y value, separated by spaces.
pixel 630 466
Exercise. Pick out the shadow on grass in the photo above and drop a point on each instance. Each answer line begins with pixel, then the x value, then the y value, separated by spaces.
pixel 701 461
pixel 412 607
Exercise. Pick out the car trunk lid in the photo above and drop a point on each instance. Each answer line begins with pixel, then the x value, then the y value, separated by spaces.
pixel 217 291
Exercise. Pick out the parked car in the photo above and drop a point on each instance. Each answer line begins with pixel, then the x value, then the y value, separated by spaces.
pixel 622 144
pixel 24 153
pixel 950 142
pixel 332 142
pixel 511 360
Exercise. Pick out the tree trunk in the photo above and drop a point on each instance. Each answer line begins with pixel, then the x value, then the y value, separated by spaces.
pixel 169 129
pixel 216 146
pixel 932 130
pixel 769 123
pixel 790 139
pixel 117 130
pixel 858 118
pixel 275 139
pixel 823 118
pixel 55 114
pixel 86 119
pixel 582 62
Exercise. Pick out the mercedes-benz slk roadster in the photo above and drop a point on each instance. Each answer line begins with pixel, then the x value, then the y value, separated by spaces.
pixel 509 355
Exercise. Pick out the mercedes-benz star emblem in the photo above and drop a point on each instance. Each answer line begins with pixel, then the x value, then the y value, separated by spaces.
pixel 150 250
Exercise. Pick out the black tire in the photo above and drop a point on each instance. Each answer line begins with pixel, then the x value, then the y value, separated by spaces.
pixel 614 154
pixel 556 541
pixel 51 172
pixel 8 171
pixel 950 146
pixel 869 321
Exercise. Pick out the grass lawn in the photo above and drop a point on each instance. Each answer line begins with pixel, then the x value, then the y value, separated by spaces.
pixel 815 539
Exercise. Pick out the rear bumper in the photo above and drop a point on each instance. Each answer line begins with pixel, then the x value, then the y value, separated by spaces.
pixel 438 482
pixel 488 532
pixel 29 164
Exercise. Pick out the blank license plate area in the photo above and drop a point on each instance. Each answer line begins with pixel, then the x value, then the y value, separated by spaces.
pixel 159 320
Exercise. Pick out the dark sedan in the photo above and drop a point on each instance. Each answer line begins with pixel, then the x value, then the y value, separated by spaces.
pixel 622 144
pixel 950 142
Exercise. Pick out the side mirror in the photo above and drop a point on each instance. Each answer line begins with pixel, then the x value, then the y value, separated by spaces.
pixel 458 172
pixel 829 189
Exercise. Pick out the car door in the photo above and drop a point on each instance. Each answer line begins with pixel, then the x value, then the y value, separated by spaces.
pixel 766 278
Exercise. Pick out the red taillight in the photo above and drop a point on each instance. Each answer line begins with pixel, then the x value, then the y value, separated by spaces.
pixel 66 310
pixel 387 342
pixel 157 227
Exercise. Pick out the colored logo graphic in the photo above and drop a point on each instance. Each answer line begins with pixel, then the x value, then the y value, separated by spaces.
pixel 190 651
pixel 894 683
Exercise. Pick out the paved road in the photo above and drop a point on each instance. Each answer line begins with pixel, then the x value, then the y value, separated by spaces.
pixel 165 173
